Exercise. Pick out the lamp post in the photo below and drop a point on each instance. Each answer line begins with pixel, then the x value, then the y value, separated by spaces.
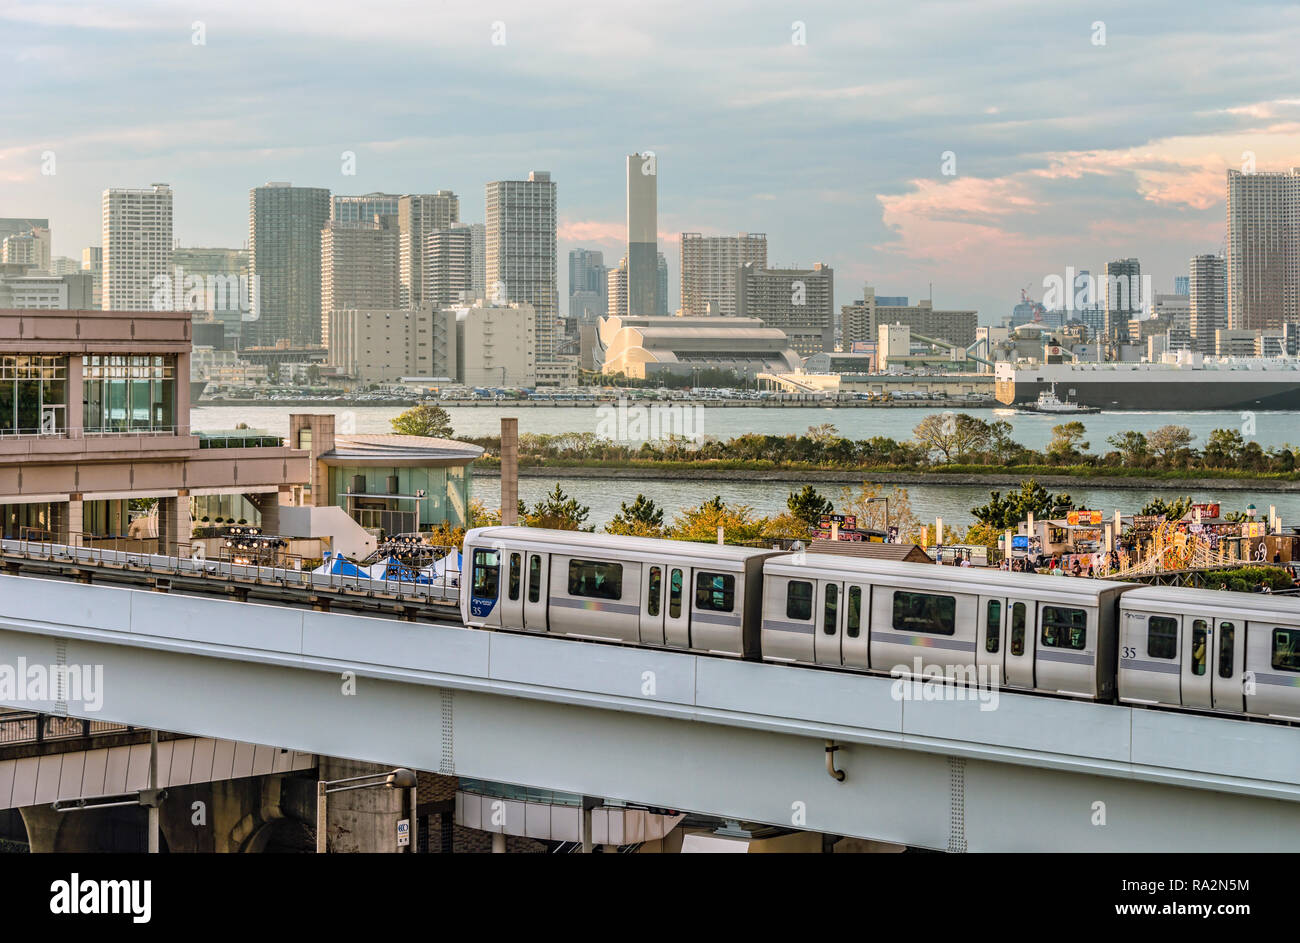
pixel 886 502
pixel 400 778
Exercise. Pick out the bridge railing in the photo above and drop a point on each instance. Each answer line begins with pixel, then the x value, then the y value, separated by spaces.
pixel 32 727
pixel 184 559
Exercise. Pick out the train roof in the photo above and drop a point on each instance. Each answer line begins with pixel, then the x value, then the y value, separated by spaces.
pixel 1185 600
pixel 955 576
pixel 668 549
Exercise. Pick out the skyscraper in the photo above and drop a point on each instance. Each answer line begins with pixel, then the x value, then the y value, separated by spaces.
pixel 419 214
pixel 801 302
pixel 449 266
pixel 284 263
pixel 616 289
pixel 661 288
pixel 587 285
pixel 362 209
pixel 1123 297
pixel 137 243
pixel 521 264
pixel 1263 250
pixel 358 268
pixel 1182 285
pixel 709 266
pixel 92 261
pixel 642 234
pixel 1208 290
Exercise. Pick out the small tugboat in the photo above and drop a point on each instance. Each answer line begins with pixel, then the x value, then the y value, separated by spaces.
pixel 1048 402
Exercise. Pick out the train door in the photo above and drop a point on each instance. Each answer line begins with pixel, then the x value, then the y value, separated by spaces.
pixel 1198 652
pixel 536 581
pixel 1020 641
pixel 512 599
pixel 990 641
pixel 652 604
pixel 485 586
pixel 1229 668
pixel 828 636
pixel 856 645
pixel 677 611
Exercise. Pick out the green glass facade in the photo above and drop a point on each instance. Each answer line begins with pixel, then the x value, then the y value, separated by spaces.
pixel 129 393
pixel 440 494
pixel 33 394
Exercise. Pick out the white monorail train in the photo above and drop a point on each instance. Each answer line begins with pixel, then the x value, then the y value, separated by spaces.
pixel 1200 650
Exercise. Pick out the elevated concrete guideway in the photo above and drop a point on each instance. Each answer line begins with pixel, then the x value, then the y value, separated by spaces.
pixel 679 731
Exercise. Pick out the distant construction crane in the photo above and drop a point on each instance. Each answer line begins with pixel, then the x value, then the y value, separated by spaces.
pixel 1037 306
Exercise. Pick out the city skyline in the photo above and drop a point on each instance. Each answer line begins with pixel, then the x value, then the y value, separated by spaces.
pixel 1050 170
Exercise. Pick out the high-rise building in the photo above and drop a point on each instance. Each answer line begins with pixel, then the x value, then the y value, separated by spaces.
pixel 800 302
pixel 642 234
pixel 212 284
pixel 30 248
pixel 588 286
pixel 137 241
pixel 477 260
pixel 521 264
pixel 661 288
pixel 486 344
pixel 92 261
pixel 1207 298
pixel 1263 250
pixel 358 268
pixel 63 265
pixel 284 264
pixel 449 266
pixel 1182 285
pixel 1124 299
pixel 709 266
pixel 362 209
pixel 419 214
pixel 616 290
pixel 862 320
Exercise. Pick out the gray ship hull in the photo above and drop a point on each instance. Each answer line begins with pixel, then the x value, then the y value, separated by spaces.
pixel 1174 393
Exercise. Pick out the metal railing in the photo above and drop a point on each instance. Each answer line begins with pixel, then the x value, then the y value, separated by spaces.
pixel 31 727
pixel 43 433
pixel 187 558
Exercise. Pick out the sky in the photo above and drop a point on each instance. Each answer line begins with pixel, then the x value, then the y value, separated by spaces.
pixel 979 147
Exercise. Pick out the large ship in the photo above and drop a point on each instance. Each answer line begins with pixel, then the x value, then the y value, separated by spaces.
pixel 1191 384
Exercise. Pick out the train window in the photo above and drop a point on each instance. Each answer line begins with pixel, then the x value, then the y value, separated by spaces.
pixel 798 600
pixel 596 579
pixel 1018 629
pixel 516 566
pixel 1286 649
pixel 675 595
pixel 715 592
pixel 1226 639
pixel 1065 628
pixel 534 578
pixel 1162 637
pixel 853 618
pixel 1199 654
pixel 831 609
pixel 656 591
pixel 486 572
pixel 993 626
pixel 923 612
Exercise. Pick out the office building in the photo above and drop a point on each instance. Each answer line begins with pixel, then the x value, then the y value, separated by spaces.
pixel 137 241
pixel 862 319
pixel 709 266
pixel 419 214
pixel 382 345
pixel 588 287
pixel 30 248
pixel 800 302
pixel 362 209
pixel 521 263
pixel 358 268
pixel 642 234
pixel 661 289
pixel 1207 301
pixel 1123 297
pixel 92 261
pixel 284 264
pixel 486 344
pixel 73 291
pixel 1263 250
pixel 212 284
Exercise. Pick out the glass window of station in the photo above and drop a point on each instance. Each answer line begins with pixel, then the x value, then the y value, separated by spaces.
pixel 33 394
pixel 134 393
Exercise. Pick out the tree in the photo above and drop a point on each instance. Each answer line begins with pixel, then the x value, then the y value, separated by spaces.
pixel 1168 441
pixel 1174 510
pixel 1005 513
pixel 1067 445
pixel 558 511
pixel 1132 447
pixel 643 518
pixel 424 420
pixel 1224 448
pixel 867 504
pixel 700 524
pixel 808 505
